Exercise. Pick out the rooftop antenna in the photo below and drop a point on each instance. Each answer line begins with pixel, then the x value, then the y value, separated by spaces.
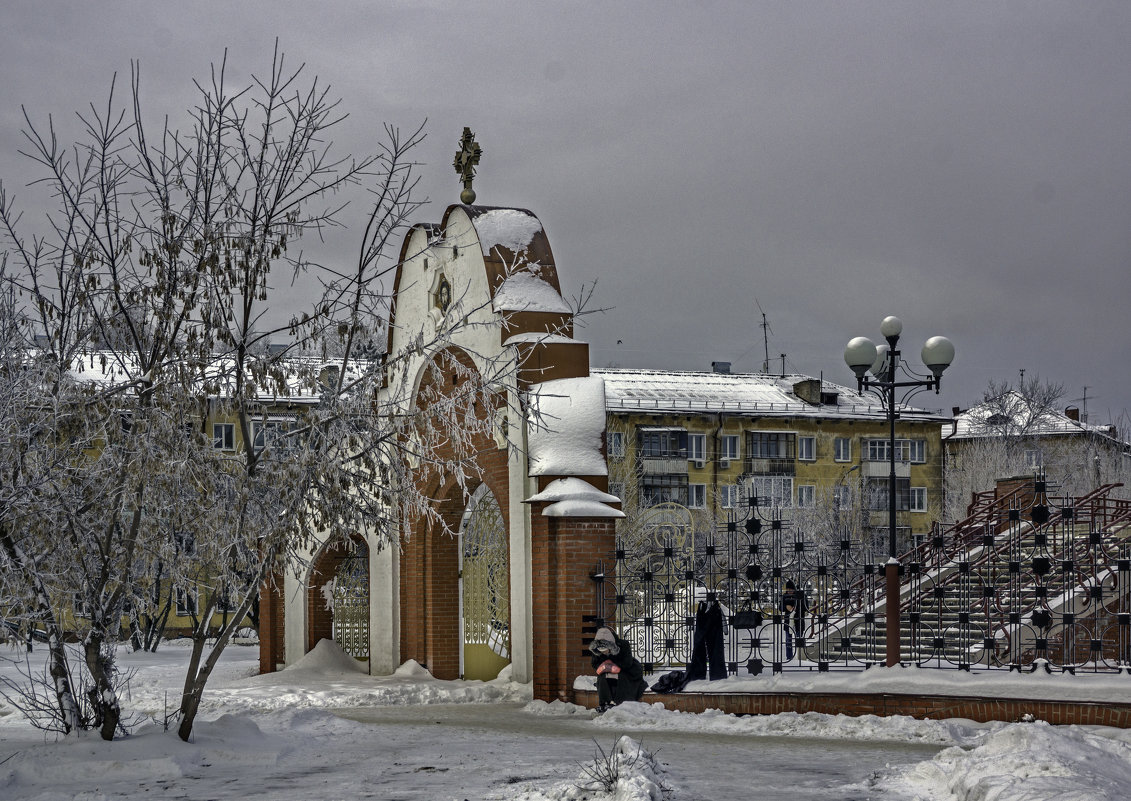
pixel 766 330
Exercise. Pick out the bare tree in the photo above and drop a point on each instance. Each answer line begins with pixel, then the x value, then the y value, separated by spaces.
pixel 156 289
pixel 1019 431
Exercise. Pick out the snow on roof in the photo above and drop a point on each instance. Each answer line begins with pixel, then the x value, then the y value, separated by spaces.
pixel 107 368
pixel 541 337
pixel 1012 414
pixel 567 423
pixel 525 291
pixel 511 228
pixel 736 393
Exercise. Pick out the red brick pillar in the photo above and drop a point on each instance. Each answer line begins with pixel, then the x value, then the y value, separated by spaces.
pixel 272 624
pixel 565 552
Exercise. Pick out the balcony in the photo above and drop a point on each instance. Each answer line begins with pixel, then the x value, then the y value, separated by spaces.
pixel 883 469
pixel 662 465
pixel 771 467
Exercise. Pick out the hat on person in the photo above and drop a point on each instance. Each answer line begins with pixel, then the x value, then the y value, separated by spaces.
pixel 604 642
pixel 790 586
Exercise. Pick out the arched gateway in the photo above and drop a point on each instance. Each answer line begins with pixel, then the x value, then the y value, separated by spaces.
pixel 513 587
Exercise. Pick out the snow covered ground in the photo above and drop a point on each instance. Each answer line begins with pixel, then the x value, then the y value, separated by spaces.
pixel 323 729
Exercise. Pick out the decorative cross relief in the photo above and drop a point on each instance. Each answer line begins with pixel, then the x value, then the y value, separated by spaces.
pixel 466 160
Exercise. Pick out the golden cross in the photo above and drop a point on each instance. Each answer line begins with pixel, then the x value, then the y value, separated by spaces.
pixel 466 160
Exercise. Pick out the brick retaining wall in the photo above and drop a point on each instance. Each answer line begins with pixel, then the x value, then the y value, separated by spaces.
pixel 935 707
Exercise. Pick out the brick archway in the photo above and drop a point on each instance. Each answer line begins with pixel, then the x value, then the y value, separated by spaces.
pixel 325 566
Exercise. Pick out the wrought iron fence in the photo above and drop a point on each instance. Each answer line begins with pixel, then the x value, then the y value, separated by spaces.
pixel 1026 580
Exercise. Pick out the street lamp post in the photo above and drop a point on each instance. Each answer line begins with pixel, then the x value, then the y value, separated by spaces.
pixel 862 355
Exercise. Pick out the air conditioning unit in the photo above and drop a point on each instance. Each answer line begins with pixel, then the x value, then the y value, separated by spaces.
pixel 724 464
pixel 698 463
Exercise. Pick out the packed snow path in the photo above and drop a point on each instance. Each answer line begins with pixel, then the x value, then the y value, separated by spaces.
pixel 323 729
pixel 501 748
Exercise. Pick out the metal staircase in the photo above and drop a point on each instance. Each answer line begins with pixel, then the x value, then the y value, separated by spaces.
pixel 1024 576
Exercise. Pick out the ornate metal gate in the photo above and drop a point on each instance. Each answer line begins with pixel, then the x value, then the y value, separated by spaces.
pixel 484 589
pixel 351 603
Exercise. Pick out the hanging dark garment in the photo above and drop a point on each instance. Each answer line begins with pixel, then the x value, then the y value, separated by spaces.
pixel 707 645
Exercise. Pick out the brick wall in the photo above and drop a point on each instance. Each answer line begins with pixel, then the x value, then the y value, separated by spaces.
pixel 565 552
pixel 271 624
pixel 935 707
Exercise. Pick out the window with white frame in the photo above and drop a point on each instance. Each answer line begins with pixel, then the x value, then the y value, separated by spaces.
pixel 877 450
pixel 617 488
pixel 806 496
pixel 224 436
pixel 918 499
pixel 842 496
pixel 186 603
pixel 878 494
pixel 771 444
pixel 697 496
pixel 728 496
pixel 1034 459
pixel 696 447
pixel 78 605
pixel 226 602
pixel 271 433
pixel 842 449
pixel 807 449
pixel 774 491
pixel 728 447
pixel 906 450
pixel 615 443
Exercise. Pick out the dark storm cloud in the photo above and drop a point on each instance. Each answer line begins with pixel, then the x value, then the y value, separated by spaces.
pixel 962 165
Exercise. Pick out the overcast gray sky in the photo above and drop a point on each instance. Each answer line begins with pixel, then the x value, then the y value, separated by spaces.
pixel 963 165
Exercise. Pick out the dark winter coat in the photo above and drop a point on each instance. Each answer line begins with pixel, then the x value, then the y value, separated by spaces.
pixel 628 685
pixel 794 605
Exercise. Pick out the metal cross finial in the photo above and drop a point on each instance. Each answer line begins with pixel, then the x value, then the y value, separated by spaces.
pixel 467 158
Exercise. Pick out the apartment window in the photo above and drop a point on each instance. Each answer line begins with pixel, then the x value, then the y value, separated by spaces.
pixel 842 496
pixel 806 496
pixel 186 603
pixel 728 496
pixel 185 542
pixel 1034 459
pixel 615 443
pixel 663 443
pixel 918 499
pixel 807 449
pixel 878 494
pixel 266 433
pixel 842 449
pixel 224 436
pixel 772 490
pixel 728 446
pixel 697 496
pixel 906 450
pixel 659 489
pixel 226 603
pixel 771 445
pixel 617 488
pixel 877 450
pixel 697 447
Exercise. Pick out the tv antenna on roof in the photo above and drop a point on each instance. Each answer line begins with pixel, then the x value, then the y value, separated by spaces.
pixel 766 330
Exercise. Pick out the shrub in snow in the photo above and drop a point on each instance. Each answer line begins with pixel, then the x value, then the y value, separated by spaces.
pixel 626 772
